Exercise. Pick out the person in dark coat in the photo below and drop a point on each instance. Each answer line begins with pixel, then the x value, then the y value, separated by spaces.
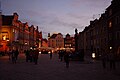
pixel 104 60
pixel 16 54
pixel 13 56
pixel 50 55
pixel 66 59
pixel 27 55
pixel 112 60
pixel 35 56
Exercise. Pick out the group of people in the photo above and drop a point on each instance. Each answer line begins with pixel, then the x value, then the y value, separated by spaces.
pixel 32 55
pixel 65 55
pixel 13 55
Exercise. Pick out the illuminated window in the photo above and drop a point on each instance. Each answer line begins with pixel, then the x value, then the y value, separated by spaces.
pixel 3 37
pixel 13 30
pixel 110 24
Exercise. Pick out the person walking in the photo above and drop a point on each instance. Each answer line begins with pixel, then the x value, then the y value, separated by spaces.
pixel 16 54
pixel 104 60
pixel 13 57
pixel 112 60
pixel 50 55
pixel 9 54
pixel 66 59
pixel 27 55
pixel 35 56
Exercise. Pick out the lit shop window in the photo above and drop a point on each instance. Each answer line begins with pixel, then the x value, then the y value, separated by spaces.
pixel 3 37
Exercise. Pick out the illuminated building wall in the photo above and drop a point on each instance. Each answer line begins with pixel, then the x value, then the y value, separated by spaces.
pixel 16 35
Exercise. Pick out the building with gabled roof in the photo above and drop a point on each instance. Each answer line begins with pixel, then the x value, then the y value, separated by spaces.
pixel 56 41
pixel 17 35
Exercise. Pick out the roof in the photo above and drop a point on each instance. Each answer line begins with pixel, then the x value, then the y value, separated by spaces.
pixel 7 20
pixel 53 36
pixel 45 40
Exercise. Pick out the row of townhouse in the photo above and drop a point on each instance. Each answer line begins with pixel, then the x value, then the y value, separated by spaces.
pixel 17 35
pixel 58 42
pixel 102 36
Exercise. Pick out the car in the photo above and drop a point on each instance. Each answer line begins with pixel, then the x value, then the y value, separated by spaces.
pixel 45 52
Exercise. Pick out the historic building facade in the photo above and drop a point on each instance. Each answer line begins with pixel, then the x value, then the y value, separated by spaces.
pixel 103 34
pixel 17 35
pixel 69 42
pixel 56 41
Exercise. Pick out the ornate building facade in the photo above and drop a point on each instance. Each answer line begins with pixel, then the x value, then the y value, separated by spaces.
pixel 17 35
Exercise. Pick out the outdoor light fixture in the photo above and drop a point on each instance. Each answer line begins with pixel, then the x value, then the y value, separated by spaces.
pixel 7 39
pixel 110 48
pixel 25 43
pixel 40 52
pixel 30 47
pixel 93 55
pixel 49 52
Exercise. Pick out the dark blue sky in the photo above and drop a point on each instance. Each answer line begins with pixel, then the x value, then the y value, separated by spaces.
pixel 56 15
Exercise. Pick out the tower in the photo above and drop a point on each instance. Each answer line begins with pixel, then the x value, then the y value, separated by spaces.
pixel 76 40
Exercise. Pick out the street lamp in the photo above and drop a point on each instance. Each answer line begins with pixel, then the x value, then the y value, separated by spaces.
pixel 110 48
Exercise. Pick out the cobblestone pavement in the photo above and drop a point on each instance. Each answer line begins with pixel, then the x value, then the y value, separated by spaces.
pixel 54 69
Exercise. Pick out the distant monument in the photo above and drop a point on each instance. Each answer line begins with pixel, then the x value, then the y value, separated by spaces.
pixel 76 40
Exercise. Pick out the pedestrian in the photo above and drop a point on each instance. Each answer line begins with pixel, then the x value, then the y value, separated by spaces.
pixel 13 57
pixel 50 55
pixel 31 53
pixel 112 60
pixel 62 55
pixel 66 59
pixel 104 60
pixel 9 54
pixel 16 54
pixel 27 55
pixel 35 56
pixel 81 54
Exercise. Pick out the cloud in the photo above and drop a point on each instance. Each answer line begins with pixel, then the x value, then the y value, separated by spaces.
pixel 79 16
pixel 94 3
pixel 61 22
pixel 30 21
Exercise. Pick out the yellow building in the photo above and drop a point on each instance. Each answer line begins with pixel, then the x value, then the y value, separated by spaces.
pixel 56 41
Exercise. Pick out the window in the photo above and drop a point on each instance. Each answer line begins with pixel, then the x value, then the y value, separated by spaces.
pixel 117 35
pixel 13 30
pixel 110 24
pixel 110 12
pixel 117 20
pixel 5 36
pixel 110 36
